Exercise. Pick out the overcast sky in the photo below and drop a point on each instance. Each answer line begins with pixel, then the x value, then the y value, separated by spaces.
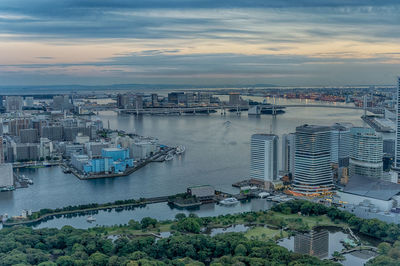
pixel 211 42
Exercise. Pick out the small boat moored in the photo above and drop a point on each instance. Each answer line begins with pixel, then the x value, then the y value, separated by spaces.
pixel 90 219
pixel 180 149
pixel 169 157
pixel 229 201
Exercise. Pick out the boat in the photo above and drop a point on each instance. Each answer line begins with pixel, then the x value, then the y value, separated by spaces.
pixel 90 219
pixel 169 157
pixel 9 188
pixel 229 201
pixel 227 123
pixel 180 149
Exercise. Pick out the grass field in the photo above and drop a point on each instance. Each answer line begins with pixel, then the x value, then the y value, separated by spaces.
pixel 313 221
pixel 264 233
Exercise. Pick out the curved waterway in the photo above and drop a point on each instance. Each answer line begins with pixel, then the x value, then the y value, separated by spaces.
pixel 160 211
pixel 217 153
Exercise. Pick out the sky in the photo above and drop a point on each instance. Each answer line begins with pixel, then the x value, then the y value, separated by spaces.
pixel 193 42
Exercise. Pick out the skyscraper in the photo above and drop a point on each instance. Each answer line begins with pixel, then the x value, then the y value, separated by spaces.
pixel 366 153
pixel 288 152
pixel 397 150
pixel 14 103
pixel 340 144
pixel 312 167
pixel 264 157
pixel 312 243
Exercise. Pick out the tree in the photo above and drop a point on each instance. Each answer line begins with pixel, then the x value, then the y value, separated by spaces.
pixel 180 216
pixel 240 250
pixel 65 261
pixel 190 225
pixel 148 221
pixel 47 263
pixel 98 259
pixel 383 248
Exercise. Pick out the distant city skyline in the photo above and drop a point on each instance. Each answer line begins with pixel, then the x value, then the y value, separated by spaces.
pixel 285 43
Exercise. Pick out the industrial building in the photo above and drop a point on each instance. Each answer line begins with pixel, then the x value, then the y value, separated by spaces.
pixel 143 149
pixel 381 195
pixel 114 160
pixel 202 192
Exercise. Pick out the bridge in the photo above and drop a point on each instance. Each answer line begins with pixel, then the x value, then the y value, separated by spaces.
pixel 183 110
pixel 375 110
pixel 238 109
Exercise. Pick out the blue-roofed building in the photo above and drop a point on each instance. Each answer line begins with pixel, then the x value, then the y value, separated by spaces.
pixel 117 154
pixel 113 160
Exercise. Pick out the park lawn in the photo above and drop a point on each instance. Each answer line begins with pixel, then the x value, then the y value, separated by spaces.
pixel 258 232
pixel 313 221
pixel 126 230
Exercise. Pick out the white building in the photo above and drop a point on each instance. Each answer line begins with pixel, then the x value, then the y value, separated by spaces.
pixel 340 144
pixel 143 149
pixel 29 101
pixel 264 157
pixel 380 195
pixel 45 148
pixel 6 175
pixel 82 139
pixel 366 153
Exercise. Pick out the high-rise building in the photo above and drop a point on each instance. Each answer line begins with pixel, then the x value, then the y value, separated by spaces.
pixel 15 125
pixel 312 243
pixel 366 153
pixel 288 152
pixel 2 150
pixel 122 101
pixel 26 152
pixel 340 144
pixel 29 101
pixel 61 102
pixel 6 175
pixel 264 157
pixel 14 103
pixel 29 135
pixel 154 99
pixel 397 150
pixel 54 132
pixel 312 166
pixel 234 98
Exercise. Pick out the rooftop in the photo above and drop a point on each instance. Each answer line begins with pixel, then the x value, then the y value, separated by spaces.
pixel 371 187
pixel 264 136
pixel 312 128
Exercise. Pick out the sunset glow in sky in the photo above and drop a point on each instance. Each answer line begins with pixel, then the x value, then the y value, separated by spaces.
pixel 282 42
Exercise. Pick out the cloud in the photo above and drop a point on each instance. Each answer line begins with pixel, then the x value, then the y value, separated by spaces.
pixel 180 41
